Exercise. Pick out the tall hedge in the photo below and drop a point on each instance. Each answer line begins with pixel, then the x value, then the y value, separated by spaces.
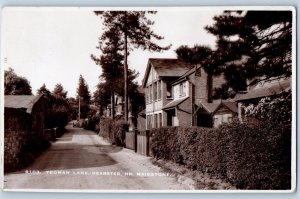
pixel 250 156
pixel 113 130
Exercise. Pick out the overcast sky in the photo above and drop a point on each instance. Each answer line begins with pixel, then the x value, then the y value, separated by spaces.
pixel 53 45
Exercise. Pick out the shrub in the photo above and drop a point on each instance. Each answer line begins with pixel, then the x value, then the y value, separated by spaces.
pixel 258 155
pixel 250 156
pixel 113 131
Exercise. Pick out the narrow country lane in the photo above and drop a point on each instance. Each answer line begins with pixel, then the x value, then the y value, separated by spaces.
pixel 80 159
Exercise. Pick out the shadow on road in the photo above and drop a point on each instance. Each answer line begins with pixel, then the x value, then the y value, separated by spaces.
pixel 76 149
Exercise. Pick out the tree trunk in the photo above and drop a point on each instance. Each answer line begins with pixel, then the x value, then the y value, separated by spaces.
pixel 125 71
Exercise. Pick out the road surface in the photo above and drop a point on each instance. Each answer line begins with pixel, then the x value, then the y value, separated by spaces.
pixel 80 159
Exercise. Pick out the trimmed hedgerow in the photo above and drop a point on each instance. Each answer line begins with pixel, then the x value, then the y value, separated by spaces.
pixel 113 130
pixel 250 156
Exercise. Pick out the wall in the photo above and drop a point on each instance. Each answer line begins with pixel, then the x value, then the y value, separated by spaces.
pixel 184 113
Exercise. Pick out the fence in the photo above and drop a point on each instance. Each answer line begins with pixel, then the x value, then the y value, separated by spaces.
pixel 129 140
pixel 138 141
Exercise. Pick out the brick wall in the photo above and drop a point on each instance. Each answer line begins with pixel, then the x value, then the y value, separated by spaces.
pixel 184 113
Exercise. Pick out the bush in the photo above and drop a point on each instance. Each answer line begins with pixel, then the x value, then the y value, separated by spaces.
pixel 250 156
pixel 113 130
pixel 258 155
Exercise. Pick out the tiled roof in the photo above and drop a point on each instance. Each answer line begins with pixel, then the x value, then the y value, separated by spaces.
pixel 166 68
pixel 214 106
pixel 174 103
pixel 169 67
pixel 210 107
pixel 232 106
pixel 265 91
pixel 21 101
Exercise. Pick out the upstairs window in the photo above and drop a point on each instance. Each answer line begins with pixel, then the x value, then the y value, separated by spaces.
pixel 147 95
pixel 159 89
pixel 169 90
pixel 155 91
pixel 182 89
pixel 151 93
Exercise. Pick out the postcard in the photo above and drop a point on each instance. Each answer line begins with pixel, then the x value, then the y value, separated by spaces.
pixel 149 99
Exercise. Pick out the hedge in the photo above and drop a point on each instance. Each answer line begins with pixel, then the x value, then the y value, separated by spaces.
pixel 113 130
pixel 250 156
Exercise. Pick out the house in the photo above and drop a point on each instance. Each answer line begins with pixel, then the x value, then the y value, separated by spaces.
pixel 263 88
pixel 23 125
pixel 179 94
pixel 135 105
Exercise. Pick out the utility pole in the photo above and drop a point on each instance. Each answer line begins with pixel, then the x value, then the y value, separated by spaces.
pixel 79 109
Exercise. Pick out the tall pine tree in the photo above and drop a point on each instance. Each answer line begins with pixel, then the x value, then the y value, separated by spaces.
pixel 261 40
pixel 83 94
pixel 134 29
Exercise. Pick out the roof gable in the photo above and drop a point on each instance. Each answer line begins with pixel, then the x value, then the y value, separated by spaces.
pixel 215 106
pixel 166 68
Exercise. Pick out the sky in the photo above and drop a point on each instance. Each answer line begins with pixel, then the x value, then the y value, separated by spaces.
pixel 53 45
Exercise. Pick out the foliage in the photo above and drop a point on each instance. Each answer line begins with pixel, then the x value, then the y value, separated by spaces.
pixel 249 155
pixel 73 104
pixel 128 29
pixel 277 109
pixel 83 94
pixel 113 130
pixel 56 107
pixel 15 85
pixel 59 91
pixel 261 40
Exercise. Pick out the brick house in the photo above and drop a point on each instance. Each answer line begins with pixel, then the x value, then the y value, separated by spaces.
pixel 179 94
pixel 23 126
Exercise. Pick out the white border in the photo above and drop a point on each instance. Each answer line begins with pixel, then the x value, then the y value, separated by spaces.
pixel 172 8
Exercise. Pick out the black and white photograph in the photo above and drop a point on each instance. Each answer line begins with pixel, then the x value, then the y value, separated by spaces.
pixel 148 99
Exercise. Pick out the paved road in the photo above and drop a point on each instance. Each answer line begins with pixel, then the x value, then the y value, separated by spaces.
pixel 81 159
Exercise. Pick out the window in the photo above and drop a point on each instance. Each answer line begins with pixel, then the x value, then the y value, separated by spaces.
pixel 155 91
pixel 155 121
pixel 149 122
pixel 159 89
pixel 182 89
pixel 160 119
pixel 151 92
pixel 147 95
pixel 169 90
pixel 229 119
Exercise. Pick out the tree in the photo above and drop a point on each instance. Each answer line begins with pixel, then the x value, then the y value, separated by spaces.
pixel 59 91
pixel 111 63
pixel 15 85
pixel 134 28
pixel 83 94
pixel 43 90
pixel 57 109
pixel 262 40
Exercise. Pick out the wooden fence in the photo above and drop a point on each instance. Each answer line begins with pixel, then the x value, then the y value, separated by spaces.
pixel 138 141
pixel 129 140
